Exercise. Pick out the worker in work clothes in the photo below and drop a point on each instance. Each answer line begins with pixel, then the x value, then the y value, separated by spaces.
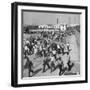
pixel 52 62
pixel 46 63
pixel 29 65
pixel 60 66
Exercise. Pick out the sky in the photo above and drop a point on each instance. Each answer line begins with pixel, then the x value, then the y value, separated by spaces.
pixel 39 18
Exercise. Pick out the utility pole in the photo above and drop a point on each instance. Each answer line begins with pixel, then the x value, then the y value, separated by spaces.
pixel 57 20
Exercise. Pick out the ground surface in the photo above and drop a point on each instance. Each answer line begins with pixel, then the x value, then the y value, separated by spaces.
pixel 75 57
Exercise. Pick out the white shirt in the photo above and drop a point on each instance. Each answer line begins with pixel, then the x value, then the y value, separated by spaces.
pixel 52 58
pixel 54 52
pixel 58 46
pixel 68 44
pixel 27 42
pixel 26 48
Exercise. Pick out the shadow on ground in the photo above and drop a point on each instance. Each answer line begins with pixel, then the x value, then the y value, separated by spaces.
pixel 37 71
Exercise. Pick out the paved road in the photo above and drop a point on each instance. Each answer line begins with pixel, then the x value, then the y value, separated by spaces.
pixel 75 57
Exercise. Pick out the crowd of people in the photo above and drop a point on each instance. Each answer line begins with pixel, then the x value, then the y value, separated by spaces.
pixel 51 47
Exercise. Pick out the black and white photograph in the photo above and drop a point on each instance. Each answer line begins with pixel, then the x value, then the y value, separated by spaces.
pixel 51 44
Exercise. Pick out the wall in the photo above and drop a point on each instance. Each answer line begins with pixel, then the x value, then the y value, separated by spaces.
pixel 5 46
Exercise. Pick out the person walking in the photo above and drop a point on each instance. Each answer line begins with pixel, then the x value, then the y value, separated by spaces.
pixel 29 65
pixel 60 66
pixel 46 63
pixel 52 62
pixel 70 64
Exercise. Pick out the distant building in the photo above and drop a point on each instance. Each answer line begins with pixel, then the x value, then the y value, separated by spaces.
pixel 49 27
pixel 61 27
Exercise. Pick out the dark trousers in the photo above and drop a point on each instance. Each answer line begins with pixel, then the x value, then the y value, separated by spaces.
pixel 60 69
pixel 70 66
pixel 30 71
pixel 44 66
pixel 52 66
